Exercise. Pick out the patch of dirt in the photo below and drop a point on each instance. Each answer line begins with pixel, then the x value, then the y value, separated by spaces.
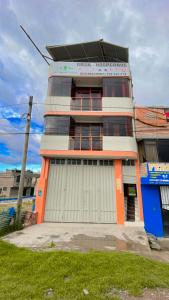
pixel 148 294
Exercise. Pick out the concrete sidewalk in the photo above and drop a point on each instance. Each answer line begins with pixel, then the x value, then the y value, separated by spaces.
pixel 81 237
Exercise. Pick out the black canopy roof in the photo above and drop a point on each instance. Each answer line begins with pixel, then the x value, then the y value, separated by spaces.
pixel 96 51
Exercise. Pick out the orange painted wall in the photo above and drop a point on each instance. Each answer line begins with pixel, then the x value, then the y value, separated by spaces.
pixel 41 190
pixel 139 195
pixel 120 214
pixel 88 113
pixel 82 153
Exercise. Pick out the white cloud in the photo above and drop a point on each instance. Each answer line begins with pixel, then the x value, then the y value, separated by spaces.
pixel 142 26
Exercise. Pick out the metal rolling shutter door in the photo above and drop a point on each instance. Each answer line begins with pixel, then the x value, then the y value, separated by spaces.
pixel 80 193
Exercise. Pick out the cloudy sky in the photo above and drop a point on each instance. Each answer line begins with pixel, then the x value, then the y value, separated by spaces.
pixel 141 25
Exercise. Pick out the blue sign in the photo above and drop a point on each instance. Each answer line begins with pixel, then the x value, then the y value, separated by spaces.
pixel 157 173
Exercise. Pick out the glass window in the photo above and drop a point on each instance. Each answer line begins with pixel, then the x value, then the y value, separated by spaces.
pixel 151 151
pixel 85 130
pixel 77 143
pixel 58 125
pixel 96 143
pixel 52 161
pixel 117 126
pixel 163 150
pixel 85 104
pixel 95 130
pixel 59 86
pixel 156 150
pixel 18 178
pixel 106 162
pixel 86 137
pixel 116 87
pixel 128 162
pixel 85 144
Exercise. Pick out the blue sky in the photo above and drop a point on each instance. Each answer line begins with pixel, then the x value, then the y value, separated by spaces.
pixel 141 25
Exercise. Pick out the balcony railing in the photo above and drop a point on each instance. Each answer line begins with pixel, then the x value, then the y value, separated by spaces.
pixel 85 143
pixel 86 103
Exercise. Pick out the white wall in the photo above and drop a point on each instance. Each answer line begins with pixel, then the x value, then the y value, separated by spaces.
pixel 119 143
pixel 57 103
pixel 117 104
pixel 55 142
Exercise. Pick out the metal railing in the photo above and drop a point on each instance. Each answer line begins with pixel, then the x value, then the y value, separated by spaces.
pixel 86 103
pixel 85 143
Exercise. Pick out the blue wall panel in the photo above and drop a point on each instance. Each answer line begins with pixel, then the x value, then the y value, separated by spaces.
pixel 152 210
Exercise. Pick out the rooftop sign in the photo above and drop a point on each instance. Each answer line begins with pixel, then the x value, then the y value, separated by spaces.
pixel 157 173
pixel 85 69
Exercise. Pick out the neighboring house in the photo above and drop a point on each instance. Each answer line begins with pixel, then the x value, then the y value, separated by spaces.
pixel 9 183
pixel 90 168
pixel 152 132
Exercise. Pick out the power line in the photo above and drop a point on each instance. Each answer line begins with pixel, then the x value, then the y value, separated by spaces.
pixel 79 106
pixel 43 56
pixel 156 130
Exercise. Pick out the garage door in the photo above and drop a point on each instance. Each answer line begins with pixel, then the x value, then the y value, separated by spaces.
pixel 80 191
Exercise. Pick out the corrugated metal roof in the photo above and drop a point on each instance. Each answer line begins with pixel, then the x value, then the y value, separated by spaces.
pixel 96 51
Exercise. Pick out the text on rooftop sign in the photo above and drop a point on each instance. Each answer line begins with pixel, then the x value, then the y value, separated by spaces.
pixel 100 69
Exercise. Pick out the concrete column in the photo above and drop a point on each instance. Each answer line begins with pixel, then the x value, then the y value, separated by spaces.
pixel 120 213
pixel 42 190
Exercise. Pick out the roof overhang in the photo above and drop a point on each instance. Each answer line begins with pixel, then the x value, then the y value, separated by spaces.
pixel 96 51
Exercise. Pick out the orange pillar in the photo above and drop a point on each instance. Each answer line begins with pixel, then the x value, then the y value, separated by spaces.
pixel 139 196
pixel 120 215
pixel 41 190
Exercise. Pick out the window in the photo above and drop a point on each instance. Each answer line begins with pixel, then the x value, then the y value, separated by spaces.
pixel 59 86
pixel 106 162
pixel 4 188
pixel 151 152
pixel 128 162
pixel 58 125
pixel 117 126
pixel 18 178
pixel 116 87
pixel 154 150
pixel 86 137
pixel 163 150
pixel 85 162
pixel 87 98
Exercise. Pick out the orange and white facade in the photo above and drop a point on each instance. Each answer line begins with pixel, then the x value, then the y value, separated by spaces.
pixel 90 169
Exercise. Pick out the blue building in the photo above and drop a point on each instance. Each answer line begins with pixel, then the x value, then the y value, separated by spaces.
pixel 152 132
pixel 155 196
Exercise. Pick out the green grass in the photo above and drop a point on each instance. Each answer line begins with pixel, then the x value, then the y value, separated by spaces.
pixel 27 275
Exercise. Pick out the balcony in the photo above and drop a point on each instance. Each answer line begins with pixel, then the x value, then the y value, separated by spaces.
pixel 86 103
pixel 90 143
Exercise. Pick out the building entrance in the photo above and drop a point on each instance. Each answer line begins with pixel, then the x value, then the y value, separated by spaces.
pixel 164 191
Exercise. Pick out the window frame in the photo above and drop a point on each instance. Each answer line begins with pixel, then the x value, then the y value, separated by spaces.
pixel 118 126
pixel 112 87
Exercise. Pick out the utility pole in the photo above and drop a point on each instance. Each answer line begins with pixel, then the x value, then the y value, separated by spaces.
pixel 24 158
